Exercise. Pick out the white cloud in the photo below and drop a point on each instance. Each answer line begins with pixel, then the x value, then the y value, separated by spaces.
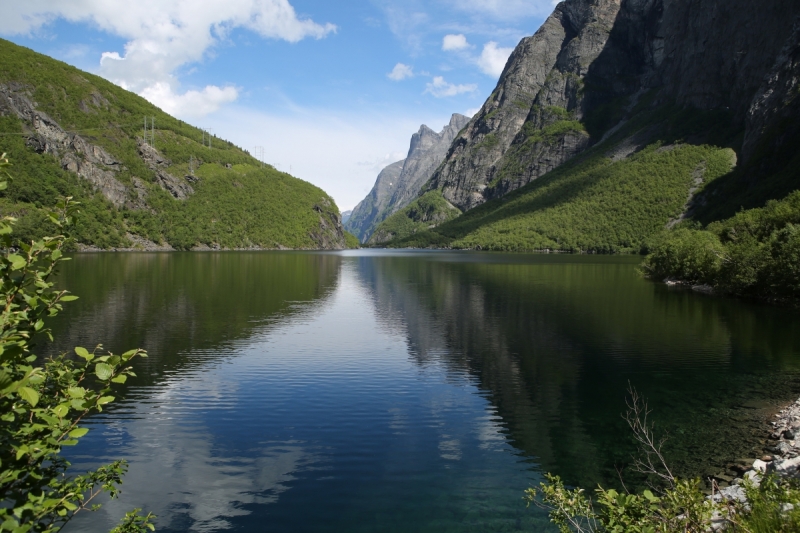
pixel 191 104
pixel 493 59
pixel 454 42
pixel 164 35
pixel 471 112
pixel 440 88
pixel 400 72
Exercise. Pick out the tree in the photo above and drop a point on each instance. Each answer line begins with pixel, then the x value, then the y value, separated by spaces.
pixel 43 403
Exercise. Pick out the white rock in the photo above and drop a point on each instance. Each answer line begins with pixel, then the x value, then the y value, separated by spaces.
pixel 787 467
pixel 760 465
pixel 754 477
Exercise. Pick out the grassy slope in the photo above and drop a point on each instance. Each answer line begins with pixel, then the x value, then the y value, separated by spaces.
pixel 429 209
pixel 593 202
pixel 239 207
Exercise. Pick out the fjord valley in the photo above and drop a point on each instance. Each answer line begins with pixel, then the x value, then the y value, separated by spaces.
pixel 70 133
pixel 415 364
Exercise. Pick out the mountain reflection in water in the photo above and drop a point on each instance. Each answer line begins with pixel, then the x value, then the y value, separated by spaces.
pixel 406 391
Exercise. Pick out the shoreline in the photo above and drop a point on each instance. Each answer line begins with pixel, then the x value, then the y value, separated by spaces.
pixel 781 453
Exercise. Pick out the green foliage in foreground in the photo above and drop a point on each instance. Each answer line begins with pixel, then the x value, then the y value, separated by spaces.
pixel 428 210
pixel 755 253
pixel 248 205
pixel 41 407
pixel 683 507
pixel 592 203
pixel 673 504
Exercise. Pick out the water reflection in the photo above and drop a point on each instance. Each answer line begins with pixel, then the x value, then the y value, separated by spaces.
pixel 554 340
pixel 173 304
pixel 397 391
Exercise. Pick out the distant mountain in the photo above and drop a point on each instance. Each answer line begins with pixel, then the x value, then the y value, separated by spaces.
pixel 68 132
pixel 399 183
pixel 346 216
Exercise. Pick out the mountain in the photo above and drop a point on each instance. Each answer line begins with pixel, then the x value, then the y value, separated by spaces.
pixel 619 119
pixel 363 217
pixel 399 183
pixel 68 132
pixel 346 216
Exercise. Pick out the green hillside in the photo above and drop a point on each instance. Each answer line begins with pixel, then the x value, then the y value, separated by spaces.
pixel 233 201
pixel 609 199
pixel 426 211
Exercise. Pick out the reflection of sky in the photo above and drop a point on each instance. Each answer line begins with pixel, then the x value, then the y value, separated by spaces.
pixel 310 423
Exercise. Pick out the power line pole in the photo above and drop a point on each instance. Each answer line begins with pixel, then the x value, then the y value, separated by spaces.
pixel 207 136
pixel 258 152
pixel 151 138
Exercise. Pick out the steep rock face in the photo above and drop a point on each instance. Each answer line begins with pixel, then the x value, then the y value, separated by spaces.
pixel 592 61
pixel 400 183
pixel 330 234
pixel 776 107
pixel 426 153
pixel 540 85
pixel 364 214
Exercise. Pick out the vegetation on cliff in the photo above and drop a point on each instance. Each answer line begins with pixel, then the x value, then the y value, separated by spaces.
pixel 423 213
pixel 236 201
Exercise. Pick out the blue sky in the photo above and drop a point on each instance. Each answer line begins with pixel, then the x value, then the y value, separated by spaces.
pixel 331 90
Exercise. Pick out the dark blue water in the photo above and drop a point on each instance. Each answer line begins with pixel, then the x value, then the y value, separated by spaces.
pixel 378 391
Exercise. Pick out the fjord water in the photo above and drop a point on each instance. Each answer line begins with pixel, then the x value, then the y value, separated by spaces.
pixel 405 391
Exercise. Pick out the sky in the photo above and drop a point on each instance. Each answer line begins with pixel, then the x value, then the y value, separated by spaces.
pixel 332 91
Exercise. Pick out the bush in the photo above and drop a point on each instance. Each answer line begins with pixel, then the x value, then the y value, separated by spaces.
pixel 696 255
pixel 41 407
pixel 756 253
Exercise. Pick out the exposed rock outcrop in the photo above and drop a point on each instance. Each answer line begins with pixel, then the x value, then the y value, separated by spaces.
pixel 541 85
pixel 178 188
pixel 44 135
pixel 362 219
pixel 330 235
pixel 586 68
pixel 400 183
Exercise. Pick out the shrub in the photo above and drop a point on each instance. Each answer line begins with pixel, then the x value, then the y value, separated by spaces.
pixel 41 406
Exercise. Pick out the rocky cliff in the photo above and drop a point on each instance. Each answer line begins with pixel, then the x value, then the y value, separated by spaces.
pixel 362 219
pixel 400 183
pixel 595 65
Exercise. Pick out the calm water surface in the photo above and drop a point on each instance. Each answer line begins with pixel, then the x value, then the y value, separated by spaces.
pixel 405 391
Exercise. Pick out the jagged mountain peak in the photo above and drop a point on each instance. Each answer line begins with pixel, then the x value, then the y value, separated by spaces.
pixel 399 183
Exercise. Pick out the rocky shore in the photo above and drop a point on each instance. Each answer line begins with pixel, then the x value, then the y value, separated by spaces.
pixel 782 457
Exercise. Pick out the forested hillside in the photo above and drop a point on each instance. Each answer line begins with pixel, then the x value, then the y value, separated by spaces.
pixel 68 132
